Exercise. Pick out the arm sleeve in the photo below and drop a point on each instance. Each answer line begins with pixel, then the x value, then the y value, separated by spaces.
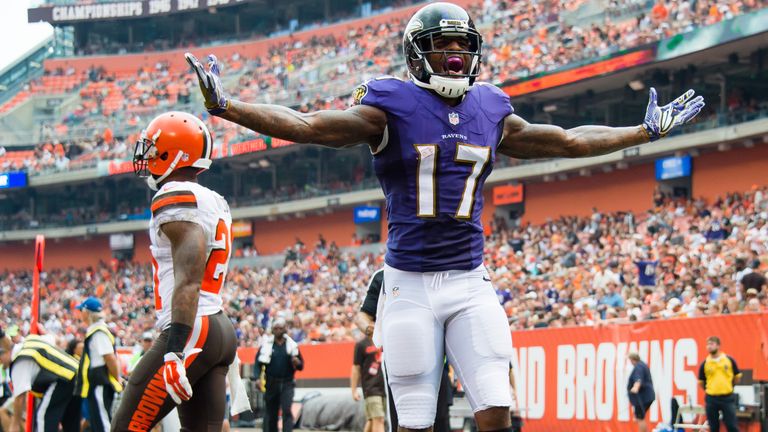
pixel 372 296
pixel 385 93
pixel 736 370
pixel 495 102
pixel 100 345
pixel 702 375
pixel 633 377
pixel 358 357
pixel 174 204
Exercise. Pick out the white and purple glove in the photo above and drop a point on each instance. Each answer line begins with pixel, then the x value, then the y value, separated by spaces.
pixel 659 121
pixel 175 375
pixel 216 101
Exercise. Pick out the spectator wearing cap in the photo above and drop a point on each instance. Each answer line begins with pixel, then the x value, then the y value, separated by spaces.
pixel 640 389
pixel 718 374
pixel 98 376
pixel 278 359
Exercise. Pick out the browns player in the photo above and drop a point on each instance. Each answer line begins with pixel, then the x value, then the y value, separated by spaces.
pixel 190 243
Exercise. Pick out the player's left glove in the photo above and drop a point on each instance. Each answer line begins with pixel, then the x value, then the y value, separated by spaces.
pixel 216 101
pixel 175 375
pixel 659 121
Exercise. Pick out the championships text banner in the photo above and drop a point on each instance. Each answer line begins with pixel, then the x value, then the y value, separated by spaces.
pixel 121 10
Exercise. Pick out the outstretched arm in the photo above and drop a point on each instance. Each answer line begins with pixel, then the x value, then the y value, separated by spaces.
pixel 331 128
pixel 523 140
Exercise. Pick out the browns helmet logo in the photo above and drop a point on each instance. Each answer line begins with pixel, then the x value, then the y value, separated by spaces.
pixel 359 94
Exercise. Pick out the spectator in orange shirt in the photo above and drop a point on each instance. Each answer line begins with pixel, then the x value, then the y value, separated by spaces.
pixel 659 11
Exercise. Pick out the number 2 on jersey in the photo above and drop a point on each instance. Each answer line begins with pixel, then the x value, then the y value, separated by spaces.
pixel 426 181
pixel 216 267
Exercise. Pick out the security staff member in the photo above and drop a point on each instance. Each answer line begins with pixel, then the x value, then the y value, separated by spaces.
pixel 718 374
pixel 98 376
pixel 38 366
pixel 278 358
pixel 366 320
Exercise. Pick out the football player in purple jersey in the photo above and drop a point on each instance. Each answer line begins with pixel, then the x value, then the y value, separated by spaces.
pixel 434 139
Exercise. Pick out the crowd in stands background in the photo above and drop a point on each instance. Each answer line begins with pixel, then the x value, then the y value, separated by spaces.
pixel 681 258
pixel 522 38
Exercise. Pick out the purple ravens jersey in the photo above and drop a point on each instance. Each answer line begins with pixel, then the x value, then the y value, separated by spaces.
pixel 432 164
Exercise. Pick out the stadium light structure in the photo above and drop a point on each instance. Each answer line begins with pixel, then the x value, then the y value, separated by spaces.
pixel 550 108
pixel 636 85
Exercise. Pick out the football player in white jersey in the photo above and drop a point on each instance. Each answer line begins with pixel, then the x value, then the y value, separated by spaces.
pixel 190 237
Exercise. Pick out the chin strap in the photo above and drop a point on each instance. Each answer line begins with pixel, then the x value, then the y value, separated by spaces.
pixel 153 182
pixel 444 86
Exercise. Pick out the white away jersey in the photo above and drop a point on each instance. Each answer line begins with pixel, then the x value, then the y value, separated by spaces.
pixel 190 202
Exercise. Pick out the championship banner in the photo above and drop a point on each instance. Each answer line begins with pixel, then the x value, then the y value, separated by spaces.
pixel 575 379
pixel 121 10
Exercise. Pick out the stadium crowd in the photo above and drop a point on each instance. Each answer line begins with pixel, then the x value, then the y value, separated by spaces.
pixel 682 258
pixel 522 38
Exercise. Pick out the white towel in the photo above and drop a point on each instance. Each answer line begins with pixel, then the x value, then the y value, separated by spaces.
pixel 265 351
pixel 238 397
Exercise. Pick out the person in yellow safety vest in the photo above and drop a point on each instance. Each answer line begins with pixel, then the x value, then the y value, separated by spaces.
pixel 98 377
pixel 38 366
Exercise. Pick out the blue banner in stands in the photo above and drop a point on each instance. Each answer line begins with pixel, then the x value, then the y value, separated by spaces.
pixel 673 167
pixel 13 180
pixel 365 214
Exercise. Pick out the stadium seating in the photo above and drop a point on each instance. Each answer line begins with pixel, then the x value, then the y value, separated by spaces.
pixel 47 84
pixel 522 38
pixel 568 272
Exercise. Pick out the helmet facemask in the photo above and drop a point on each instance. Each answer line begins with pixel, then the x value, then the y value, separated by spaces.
pixel 449 82
pixel 143 152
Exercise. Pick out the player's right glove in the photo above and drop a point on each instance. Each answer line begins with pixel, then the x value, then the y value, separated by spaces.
pixel 216 101
pixel 175 375
pixel 659 121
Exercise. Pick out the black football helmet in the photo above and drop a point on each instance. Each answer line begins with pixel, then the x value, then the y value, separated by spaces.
pixel 434 21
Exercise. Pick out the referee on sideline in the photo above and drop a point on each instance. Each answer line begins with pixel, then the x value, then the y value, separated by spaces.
pixel 718 374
